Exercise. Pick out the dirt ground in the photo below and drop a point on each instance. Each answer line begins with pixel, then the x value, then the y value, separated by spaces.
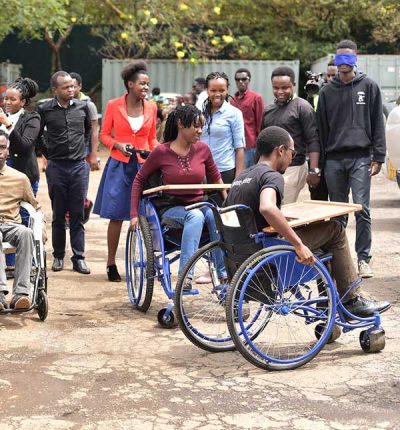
pixel 95 363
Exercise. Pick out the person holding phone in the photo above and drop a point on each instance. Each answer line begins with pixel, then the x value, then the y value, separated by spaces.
pixel 129 124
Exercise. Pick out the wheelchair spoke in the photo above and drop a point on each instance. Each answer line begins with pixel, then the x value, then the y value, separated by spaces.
pixel 295 299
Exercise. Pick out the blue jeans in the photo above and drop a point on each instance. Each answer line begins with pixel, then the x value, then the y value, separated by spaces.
pixel 193 222
pixel 249 154
pixel 353 174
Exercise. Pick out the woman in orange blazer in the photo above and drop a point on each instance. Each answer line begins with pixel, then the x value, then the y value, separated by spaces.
pixel 128 120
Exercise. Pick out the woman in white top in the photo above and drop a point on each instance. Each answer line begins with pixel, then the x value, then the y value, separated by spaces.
pixel 129 121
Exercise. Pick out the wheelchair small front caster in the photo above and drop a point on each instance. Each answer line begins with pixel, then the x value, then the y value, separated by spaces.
pixel 335 334
pixel 372 341
pixel 42 305
pixel 168 322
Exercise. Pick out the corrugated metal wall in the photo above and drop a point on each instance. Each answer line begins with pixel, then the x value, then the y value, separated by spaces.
pixel 9 72
pixel 384 69
pixel 177 77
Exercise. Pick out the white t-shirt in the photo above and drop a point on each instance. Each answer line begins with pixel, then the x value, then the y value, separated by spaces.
pixel 136 122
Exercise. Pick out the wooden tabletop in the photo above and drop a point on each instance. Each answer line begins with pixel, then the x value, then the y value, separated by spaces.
pixel 309 211
pixel 205 187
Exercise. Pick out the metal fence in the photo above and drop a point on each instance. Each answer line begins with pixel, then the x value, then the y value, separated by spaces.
pixel 384 69
pixel 178 76
pixel 9 72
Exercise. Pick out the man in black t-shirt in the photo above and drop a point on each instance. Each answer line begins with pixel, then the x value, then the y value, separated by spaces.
pixel 261 188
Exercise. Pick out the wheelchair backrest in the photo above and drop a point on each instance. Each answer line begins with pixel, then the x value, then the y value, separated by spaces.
pixel 237 228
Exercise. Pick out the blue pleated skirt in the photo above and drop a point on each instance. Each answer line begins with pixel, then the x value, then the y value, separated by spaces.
pixel 113 200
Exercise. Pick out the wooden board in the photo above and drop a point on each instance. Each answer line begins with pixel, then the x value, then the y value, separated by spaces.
pixel 205 187
pixel 309 211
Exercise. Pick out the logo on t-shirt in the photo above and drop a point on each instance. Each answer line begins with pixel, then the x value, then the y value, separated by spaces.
pixel 241 181
pixel 361 98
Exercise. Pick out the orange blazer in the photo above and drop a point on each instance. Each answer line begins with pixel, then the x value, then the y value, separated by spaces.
pixel 116 128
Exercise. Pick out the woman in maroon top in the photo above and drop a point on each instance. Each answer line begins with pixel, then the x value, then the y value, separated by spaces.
pixel 182 159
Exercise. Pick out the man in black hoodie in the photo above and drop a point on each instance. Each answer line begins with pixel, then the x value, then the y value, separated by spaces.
pixel 352 135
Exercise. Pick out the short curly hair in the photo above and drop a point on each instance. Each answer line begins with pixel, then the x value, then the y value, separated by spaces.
pixel 270 138
pixel 284 71
pixel 131 71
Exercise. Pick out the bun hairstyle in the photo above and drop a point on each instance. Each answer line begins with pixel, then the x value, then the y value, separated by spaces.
pixel 131 71
pixel 27 87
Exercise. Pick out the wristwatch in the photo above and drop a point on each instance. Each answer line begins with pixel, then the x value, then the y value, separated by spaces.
pixel 315 171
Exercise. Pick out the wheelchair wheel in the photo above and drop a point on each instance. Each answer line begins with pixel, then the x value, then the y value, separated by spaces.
pixel 42 305
pixel 274 307
pixel 139 265
pixel 200 310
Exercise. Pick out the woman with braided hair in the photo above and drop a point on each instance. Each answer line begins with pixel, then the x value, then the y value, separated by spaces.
pixel 182 159
pixel 23 129
pixel 223 130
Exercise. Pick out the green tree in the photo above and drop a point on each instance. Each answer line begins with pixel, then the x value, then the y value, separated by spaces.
pixel 53 20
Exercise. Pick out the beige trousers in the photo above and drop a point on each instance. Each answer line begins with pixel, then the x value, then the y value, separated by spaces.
pixel 295 180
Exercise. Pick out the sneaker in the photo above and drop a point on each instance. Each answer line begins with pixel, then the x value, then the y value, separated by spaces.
pixel 205 278
pixel 3 302
pixel 364 269
pixel 187 286
pixel 363 307
pixel 112 273
pixel 20 301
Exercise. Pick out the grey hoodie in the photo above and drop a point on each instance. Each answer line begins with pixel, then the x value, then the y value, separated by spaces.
pixel 350 119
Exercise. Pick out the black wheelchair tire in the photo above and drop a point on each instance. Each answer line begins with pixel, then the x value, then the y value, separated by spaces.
pixel 146 293
pixel 185 325
pixel 42 304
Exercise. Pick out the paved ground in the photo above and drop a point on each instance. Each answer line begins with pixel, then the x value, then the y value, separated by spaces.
pixel 97 364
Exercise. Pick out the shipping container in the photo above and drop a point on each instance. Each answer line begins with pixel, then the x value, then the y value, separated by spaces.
pixel 384 69
pixel 177 76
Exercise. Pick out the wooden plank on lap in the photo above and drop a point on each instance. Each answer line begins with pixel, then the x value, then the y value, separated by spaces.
pixel 310 211
pixel 205 187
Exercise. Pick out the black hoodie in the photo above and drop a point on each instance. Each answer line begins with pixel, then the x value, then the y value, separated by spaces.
pixel 350 119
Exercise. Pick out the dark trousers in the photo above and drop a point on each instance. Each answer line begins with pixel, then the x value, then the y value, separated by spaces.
pixel 66 182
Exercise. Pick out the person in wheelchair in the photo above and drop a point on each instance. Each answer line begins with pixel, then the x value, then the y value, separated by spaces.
pixel 261 188
pixel 182 159
pixel 15 187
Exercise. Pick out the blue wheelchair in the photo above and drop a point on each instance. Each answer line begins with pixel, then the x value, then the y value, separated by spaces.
pixel 150 252
pixel 279 312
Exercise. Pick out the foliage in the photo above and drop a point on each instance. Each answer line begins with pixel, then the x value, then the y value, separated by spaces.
pixel 197 29
pixel 187 29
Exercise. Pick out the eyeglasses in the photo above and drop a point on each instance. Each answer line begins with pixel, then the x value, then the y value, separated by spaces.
pixel 241 79
pixel 294 152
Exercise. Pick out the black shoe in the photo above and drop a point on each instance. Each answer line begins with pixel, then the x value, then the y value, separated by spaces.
pixel 58 265
pixel 112 273
pixel 86 211
pixel 362 307
pixel 80 267
pixel 20 301
pixel 3 302
pixel 10 272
